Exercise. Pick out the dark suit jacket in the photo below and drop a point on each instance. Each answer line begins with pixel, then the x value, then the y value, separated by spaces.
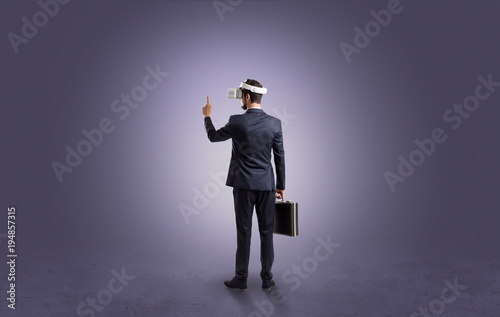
pixel 254 135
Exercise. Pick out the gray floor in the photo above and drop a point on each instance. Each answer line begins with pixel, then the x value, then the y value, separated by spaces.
pixel 352 281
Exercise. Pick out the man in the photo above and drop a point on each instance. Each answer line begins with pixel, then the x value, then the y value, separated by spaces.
pixel 254 135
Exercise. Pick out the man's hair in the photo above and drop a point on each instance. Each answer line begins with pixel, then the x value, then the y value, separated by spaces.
pixel 254 97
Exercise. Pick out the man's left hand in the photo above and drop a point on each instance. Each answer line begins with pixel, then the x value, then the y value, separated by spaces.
pixel 206 109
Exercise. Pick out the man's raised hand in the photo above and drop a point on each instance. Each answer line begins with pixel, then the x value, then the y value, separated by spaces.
pixel 207 109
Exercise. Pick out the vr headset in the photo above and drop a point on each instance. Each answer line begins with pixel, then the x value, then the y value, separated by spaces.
pixel 237 93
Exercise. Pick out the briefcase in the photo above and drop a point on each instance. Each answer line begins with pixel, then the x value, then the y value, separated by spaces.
pixel 286 220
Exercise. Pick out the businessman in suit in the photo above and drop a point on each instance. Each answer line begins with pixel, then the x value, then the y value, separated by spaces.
pixel 255 135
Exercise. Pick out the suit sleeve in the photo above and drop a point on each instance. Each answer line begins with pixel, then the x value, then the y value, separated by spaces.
pixel 222 134
pixel 279 159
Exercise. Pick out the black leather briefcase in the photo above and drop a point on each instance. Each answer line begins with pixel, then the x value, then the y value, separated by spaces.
pixel 286 218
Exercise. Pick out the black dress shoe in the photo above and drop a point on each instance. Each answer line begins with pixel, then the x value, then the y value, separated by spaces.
pixel 267 285
pixel 235 284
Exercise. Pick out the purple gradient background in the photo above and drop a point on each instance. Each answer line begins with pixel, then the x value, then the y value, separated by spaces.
pixel 352 120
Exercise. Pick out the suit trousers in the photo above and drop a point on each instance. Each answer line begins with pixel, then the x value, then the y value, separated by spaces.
pixel 244 202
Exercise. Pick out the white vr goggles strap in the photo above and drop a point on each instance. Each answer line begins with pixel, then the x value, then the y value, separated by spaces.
pixel 236 93
pixel 257 90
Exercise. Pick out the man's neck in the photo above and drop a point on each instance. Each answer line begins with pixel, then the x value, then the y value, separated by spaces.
pixel 254 106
